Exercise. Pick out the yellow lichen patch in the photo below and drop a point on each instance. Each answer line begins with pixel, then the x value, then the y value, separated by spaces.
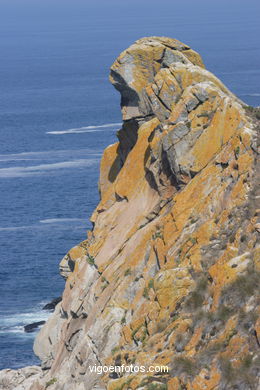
pixel 228 332
pixel 179 326
pixel 76 252
pixel 206 380
pixel 167 83
pixel 245 162
pixel 174 232
pixel 173 384
pixel 176 111
pixel 212 139
pixel 256 258
pixel 136 381
pixel 146 59
pixel 170 230
pixel 226 269
pixel 172 285
pixel 237 349
pixel 127 334
pixel 192 198
pixel 121 383
pixel 109 167
pixel 226 154
pixel 257 327
pixel 239 192
pixel 190 347
pixel 160 251
pixel 246 136
pixel 194 57
pixel 126 184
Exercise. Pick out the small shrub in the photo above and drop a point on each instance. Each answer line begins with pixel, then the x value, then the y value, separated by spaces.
pixel 146 293
pixel 135 331
pixel 185 365
pixel 151 284
pixel 246 362
pixel 193 240
pixel 51 382
pixel 237 151
pixel 115 349
pixel 253 111
pixel 195 300
pixel 226 369
pixel 229 336
pixel 244 286
pixel 224 313
pixel 180 342
pixel 90 260
pixel 157 235
pixel 243 238
pixel 127 272
pixel 197 296
pixel 161 326
pixel 174 316
pixel 156 386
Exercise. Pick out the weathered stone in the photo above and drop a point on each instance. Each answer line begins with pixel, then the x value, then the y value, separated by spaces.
pixel 33 327
pixel 51 305
pixel 19 379
pixel 169 274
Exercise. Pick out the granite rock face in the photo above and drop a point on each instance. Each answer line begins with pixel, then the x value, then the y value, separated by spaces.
pixel 19 379
pixel 169 274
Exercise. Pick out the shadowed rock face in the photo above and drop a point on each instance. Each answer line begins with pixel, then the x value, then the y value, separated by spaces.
pixel 169 274
pixel 133 75
pixel 135 70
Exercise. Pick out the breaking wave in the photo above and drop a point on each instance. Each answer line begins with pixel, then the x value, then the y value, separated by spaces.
pixel 250 94
pixel 49 154
pixel 41 169
pixel 85 129
pixel 14 323
pixel 80 221
pixel 62 220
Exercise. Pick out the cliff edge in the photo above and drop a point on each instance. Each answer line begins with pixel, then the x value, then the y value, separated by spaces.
pixel 170 272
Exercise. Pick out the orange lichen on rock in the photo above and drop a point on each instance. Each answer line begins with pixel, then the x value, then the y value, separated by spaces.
pixel 168 275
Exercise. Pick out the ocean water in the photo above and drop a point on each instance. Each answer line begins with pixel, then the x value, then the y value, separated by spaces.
pixel 57 114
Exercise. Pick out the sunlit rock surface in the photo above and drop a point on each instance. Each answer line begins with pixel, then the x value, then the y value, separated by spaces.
pixel 169 275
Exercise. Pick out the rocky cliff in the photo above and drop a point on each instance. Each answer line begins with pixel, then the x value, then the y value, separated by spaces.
pixel 169 274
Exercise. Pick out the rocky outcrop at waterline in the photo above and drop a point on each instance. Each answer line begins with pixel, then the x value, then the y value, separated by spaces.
pixel 51 305
pixel 169 274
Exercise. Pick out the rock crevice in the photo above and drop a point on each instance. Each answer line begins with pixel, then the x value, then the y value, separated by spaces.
pixel 168 274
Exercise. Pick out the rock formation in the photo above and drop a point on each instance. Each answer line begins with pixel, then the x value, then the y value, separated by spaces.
pixel 169 274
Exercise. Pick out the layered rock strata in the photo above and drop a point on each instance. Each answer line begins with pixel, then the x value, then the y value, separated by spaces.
pixel 169 274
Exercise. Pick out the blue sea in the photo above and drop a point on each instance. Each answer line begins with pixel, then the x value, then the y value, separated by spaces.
pixel 58 112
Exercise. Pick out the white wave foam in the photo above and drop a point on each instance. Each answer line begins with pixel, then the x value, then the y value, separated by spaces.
pixel 20 319
pixel 14 329
pixel 250 94
pixel 61 220
pixel 47 221
pixel 49 154
pixel 43 168
pixel 248 71
pixel 14 228
pixel 14 323
pixel 85 129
